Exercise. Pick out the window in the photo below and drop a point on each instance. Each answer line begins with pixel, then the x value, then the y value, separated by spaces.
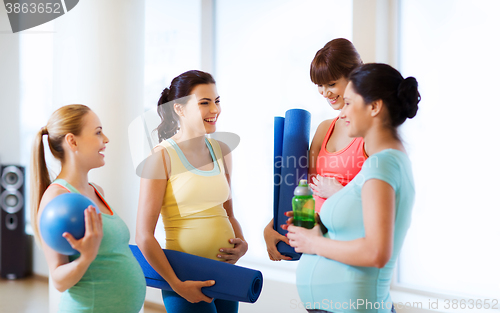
pixel 451 47
pixel 173 44
pixel 263 54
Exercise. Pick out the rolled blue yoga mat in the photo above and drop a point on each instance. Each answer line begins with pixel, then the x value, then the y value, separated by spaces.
pixel 232 282
pixel 292 135
pixel 279 125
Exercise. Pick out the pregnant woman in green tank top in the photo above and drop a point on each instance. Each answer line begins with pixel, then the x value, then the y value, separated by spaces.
pixel 104 277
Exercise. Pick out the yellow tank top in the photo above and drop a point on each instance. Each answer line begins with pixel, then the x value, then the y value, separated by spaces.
pixel 192 210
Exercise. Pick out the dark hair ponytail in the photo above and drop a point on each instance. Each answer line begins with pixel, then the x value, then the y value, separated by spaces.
pixel 180 87
pixel 409 96
pixel 169 120
pixel 376 81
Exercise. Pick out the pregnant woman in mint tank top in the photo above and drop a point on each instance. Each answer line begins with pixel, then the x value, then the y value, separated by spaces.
pixel 193 195
pixel 104 277
pixel 349 269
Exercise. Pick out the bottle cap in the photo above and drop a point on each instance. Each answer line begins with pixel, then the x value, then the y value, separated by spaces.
pixel 303 189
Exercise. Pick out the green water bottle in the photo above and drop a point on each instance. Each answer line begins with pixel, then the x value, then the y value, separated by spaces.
pixel 303 205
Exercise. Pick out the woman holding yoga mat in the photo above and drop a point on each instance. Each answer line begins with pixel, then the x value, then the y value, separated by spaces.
pixel 334 157
pixel 368 219
pixel 103 276
pixel 193 196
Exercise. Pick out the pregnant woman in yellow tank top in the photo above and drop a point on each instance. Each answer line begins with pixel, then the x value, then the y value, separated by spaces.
pixel 187 181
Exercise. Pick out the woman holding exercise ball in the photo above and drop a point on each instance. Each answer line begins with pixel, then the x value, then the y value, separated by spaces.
pixel 193 196
pixel 368 219
pixel 334 157
pixel 104 276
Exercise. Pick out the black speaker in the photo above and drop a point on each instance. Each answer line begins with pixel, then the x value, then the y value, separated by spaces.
pixel 15 244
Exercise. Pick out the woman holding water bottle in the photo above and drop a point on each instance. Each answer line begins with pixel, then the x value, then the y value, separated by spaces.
pixel 368 219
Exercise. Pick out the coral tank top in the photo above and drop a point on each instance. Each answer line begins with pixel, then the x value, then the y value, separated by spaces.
pixel 343 164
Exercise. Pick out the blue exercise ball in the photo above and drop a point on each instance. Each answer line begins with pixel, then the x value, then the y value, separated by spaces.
pixel 64 213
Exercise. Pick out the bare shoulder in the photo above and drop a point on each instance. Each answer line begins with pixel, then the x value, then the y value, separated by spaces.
pixel 50 193
pixel 224 147
pixel 159 148
pixel 321 132
pixel 156 165
pixel 226 157
pixel 323 126
pixel 158 156
pixel 99 188
pixel 160 152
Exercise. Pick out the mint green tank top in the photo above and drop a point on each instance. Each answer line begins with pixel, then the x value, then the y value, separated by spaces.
pixel 114 281
pixel 333 286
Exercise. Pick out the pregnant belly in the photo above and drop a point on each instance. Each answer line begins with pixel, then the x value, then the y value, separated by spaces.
pixel 321 280
pixel 200 235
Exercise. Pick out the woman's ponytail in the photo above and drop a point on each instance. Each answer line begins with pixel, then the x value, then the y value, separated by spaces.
pixel 40 179
pixel 409 96
pixel 169 119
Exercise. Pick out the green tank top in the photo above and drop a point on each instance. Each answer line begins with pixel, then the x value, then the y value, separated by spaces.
pixel 114 281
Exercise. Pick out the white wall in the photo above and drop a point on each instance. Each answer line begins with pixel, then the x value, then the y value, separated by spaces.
pixel 9 94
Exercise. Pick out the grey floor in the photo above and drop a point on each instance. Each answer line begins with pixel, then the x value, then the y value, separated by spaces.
pixel 31 295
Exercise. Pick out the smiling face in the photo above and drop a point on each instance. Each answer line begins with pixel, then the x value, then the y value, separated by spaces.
pixel 91 142
pixel 334 92
pixel 356 113
pixel 201 112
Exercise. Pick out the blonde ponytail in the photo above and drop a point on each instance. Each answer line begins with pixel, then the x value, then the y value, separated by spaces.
pixel 65 120
pixel 40 179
